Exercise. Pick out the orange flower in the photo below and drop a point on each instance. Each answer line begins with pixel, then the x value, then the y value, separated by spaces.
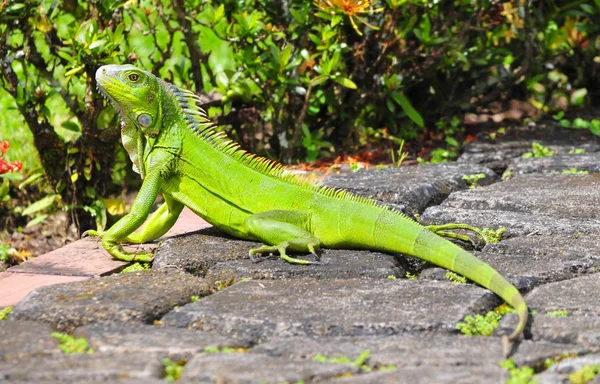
pixel 351 8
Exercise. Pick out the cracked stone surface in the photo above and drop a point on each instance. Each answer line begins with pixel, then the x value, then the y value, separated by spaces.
pixel 26 339
pixel 415 187
pixel 409 351
pixel 83 368
pixel 557 164
pixel 175 343
pixel 559 373
pixel 499 154
pixel 540 204
pixel 262 309
pixel 139 297
pixel 579 324
pixel 248 368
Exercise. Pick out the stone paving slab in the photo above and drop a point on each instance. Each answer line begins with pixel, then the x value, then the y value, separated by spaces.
pixel 498 154
pixel 564 196
pixel 577 296
pixel 246 368
pixel 450 375
pixel 416 187
pixel 83 368
pixel 559 373
pixel 352 307
pixel 209 252
pixel 569 205
pixel 556 164
pixel 15 286
pixel 175 343
pixel 425 350
pixel 138 297
pixel 26 339
pixel 535 260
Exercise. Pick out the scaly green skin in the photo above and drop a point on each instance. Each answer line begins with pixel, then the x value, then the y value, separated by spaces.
pixel 178 153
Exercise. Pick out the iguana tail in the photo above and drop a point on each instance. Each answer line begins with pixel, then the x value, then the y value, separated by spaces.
pixel 415 240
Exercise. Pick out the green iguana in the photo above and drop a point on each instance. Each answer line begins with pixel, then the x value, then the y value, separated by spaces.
pixel 178 152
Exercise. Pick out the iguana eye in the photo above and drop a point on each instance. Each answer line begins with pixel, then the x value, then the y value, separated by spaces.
pixel 144 120
pixel 133 77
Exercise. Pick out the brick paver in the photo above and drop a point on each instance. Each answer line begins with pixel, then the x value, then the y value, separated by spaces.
pixel 80 260
pixel 15 286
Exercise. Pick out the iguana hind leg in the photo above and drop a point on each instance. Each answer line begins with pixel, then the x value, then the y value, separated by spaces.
pixel 282 231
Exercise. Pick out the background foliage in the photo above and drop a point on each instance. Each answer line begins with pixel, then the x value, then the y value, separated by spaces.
pixel 298 79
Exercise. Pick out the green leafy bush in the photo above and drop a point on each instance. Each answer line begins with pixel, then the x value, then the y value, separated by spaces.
pixel 296 79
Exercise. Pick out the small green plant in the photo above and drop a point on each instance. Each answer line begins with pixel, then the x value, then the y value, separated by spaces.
pixel 521 375
pixel 560 313
pixel 173 369
pixel 574 171
pixel 577 151
pixel 537 151
pixel 72 345
pixel 194 298
pixel 550 361
pixel 473 179
pixel 215 349
pixel 455 278
pixel 391 277
pixel 479 325
pixel 499 132
pixel 136 267
pixel 361 361
pixel 439 155
pixel 5 312
pixel 493 235
pixel 592 125
pixel 584 375
pixel 401 155
pixel 412 276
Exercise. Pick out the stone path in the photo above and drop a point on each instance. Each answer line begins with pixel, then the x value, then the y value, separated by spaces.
pixel 354 318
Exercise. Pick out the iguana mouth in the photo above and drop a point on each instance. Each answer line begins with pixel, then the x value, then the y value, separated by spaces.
pixel 103 78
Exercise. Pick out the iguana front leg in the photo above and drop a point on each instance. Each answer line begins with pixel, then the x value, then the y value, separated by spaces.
pixel 158 224
pixel 282 230
pixel 122 229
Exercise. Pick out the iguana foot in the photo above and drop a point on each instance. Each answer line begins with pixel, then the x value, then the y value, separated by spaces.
pixel 117 251
pixel 442 230
pixel 281 248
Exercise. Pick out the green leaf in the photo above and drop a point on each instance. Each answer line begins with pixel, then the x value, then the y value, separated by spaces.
pixel 37 220
pixel 118 34
pixel 346 82
pixel 97 43
pixel 71 126
pixel 410 111
pixel 318 80
pixel 39 205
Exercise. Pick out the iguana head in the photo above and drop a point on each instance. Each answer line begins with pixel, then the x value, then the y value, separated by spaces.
pixel 135 94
